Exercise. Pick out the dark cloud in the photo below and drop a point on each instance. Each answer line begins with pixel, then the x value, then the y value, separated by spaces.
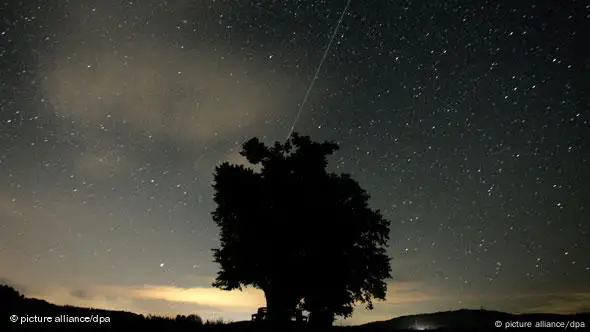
pixel 81 294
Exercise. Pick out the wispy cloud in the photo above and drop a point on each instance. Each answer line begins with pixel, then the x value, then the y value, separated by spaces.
pixel 563 304
pixel 208 302
pixel 154 89
pixel 248 299
pixel 402 299
pixel 409 292
pixel 100 163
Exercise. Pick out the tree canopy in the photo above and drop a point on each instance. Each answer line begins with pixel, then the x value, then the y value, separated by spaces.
pixel 305 236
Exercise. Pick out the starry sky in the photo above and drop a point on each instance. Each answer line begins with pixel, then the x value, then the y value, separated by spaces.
pixel 467 122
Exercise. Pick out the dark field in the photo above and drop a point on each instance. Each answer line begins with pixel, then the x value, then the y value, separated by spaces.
pixel 14 306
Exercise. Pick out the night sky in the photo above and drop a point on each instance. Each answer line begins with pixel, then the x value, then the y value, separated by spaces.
pixel 467 122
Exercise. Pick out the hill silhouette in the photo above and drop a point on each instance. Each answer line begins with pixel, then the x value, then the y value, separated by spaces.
pixel 13 304
pixel 476 320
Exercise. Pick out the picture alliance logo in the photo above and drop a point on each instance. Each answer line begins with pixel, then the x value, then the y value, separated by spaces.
pixel 541 324
pixel 96 319
pixel 82 319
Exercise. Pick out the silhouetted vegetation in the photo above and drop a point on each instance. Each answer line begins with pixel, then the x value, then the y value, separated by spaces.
pixel 304 236
pixel 28 313
pixel 13 303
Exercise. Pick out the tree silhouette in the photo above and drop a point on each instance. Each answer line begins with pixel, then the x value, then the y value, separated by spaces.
pixel 10 299
pixel 306 237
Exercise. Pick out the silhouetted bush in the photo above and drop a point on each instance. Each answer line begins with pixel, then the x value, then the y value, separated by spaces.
pixel 190 321
pixel 218 321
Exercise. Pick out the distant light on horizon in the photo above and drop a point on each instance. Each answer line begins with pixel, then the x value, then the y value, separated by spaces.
pixel 421 327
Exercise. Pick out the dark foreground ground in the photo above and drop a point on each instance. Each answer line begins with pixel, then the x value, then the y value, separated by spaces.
pixel 23 314
pixel 462 320
pixel 217 328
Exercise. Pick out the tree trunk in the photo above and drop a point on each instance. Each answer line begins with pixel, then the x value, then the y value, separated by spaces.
pixel 276 309
pixel 321 318
pixel 281 305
